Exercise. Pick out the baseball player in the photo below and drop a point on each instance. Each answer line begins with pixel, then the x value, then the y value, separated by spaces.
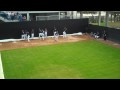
pixel 64 32
pixel 40 31
pixel 32 33
pixel 41 34
pixel 28 36
pixel 45 32
pixel 23 34
pixel 56 36
pixel 54 31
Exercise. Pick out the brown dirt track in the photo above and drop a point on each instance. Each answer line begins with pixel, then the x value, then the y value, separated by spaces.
pixel 38 42
pixel 49 41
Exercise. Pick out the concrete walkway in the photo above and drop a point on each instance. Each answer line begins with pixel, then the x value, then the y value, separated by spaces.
pixel 1 69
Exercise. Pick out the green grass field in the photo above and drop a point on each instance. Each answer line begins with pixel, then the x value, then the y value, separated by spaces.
pixel 84 60
pixel 110 24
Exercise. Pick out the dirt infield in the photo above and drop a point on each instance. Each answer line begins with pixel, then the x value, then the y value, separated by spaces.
pixel 38 42
pixel 49 41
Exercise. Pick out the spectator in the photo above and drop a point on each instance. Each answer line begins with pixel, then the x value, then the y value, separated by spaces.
pixel 24 18
pixel 12 16
pixel 9 16
pixel 20 17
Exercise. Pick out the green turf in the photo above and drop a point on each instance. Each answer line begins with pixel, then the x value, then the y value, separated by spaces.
pixel 87 60
pixel 102 24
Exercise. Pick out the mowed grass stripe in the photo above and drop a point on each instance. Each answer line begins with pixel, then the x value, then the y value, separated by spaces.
pixel 87 59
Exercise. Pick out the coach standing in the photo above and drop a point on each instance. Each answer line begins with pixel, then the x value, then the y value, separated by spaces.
pixel 104 35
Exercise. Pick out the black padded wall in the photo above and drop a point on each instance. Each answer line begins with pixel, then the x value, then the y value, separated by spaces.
pixel 112 33
pixel 13 29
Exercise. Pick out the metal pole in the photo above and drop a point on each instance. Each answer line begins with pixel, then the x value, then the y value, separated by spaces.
pixel 99 22
pixel 28 17
pixel 59 15
pixel 107 19
pixel 81 14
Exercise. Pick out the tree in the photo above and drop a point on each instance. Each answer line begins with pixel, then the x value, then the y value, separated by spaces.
pixel 116 15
